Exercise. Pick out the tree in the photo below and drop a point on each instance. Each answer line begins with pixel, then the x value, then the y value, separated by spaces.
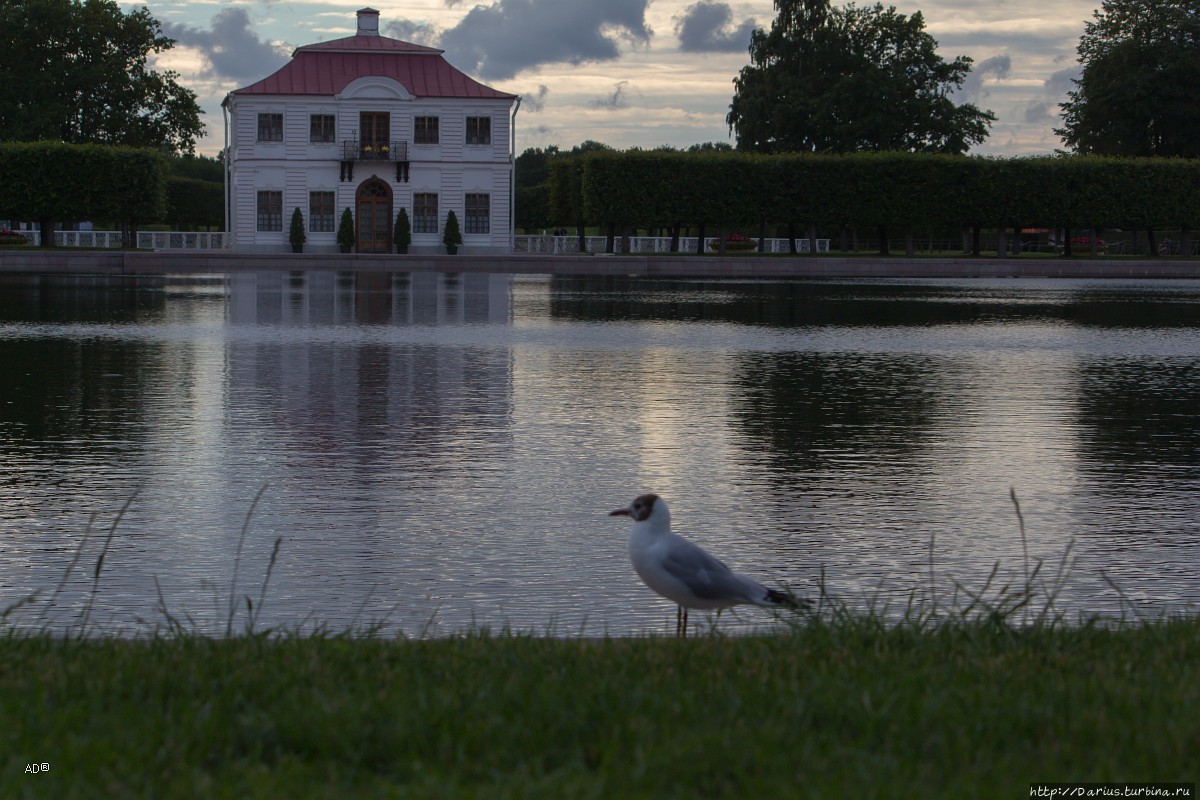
pixel 837 80
pixel 451 234
pixel 402 231
pixel 78 71
pixel 345 232
pixel 296 235
pixel 1137 93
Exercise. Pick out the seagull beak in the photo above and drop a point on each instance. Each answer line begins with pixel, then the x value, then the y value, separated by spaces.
pixel 621 512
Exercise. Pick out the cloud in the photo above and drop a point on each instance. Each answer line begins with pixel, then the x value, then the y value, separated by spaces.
pixel 707 27
pixel 230 48
pixel 416 32
pixel 611 102
pixel 509 36
pixel 972 90
pixel 1043 108
pixel 535 102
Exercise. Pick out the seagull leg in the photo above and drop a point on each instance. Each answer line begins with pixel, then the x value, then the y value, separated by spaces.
pixel 681 621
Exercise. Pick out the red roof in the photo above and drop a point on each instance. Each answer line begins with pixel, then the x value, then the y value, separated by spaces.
pixel 326 68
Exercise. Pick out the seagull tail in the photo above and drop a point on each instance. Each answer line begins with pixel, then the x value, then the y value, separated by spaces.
pixel 787 600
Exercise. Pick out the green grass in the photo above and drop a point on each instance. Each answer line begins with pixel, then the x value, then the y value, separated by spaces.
pixel 850 707
pixel 976 694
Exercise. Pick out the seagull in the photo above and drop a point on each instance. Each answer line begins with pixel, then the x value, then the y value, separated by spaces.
pixel 682 571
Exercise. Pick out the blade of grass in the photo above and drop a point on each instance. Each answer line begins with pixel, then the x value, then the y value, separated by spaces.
pixel 87 609
pixel 262 594
pixel 237 561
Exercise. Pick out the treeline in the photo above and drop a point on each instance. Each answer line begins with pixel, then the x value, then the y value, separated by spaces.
pixel 118 187
pixel 889 194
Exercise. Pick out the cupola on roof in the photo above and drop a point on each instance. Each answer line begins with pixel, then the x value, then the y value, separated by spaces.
pixel 326 68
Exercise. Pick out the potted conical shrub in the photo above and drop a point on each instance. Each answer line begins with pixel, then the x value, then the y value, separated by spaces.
pixel 297 236
pixel 345 235
pixel 451 235
pixel 402 233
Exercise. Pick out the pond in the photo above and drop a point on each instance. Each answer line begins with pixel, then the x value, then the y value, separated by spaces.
pixel 439 452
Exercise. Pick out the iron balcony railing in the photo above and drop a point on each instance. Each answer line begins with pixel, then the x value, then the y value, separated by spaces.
pixel 354 150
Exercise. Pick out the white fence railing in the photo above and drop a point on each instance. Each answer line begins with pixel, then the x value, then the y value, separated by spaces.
pixel 180 240
pixel 146 240
pixel 550 245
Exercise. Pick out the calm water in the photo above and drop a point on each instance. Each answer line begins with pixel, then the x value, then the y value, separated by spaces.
pixel 440 452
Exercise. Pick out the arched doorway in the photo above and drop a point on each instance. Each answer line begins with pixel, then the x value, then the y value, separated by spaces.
pixel 374 217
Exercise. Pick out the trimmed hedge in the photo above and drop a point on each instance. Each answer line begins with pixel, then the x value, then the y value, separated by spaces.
pixel 193 203
pixel 50 181
pixel 655 188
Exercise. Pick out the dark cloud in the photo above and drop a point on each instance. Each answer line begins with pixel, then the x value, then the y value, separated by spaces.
pixel 618 99
pixel 1044 107
pixel 972 90
pixel 231 49
pixel 707 27
pixel 537 101
pixel 500 40
pixel 416 32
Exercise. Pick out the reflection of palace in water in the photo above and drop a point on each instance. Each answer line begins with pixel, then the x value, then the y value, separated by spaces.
pixel 365 298
pixel 352 386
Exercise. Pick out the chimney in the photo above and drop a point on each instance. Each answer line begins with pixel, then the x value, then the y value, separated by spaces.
pixel 368 22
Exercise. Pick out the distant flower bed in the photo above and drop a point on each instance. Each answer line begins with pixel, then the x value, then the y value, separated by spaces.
pixel 11 237
pixel 1084 241
pixel 734 242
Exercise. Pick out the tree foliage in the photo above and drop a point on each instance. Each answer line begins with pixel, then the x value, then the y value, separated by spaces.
pixel 79 71
pixel 828 79
pixel 902 190
pixel 194 204
pixel 1137 93
pixel 52 181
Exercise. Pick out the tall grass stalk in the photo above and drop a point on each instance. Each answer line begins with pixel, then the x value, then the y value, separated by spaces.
pixel 112 530
pixel 237 561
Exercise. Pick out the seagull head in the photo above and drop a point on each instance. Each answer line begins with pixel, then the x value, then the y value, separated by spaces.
pixel 646 507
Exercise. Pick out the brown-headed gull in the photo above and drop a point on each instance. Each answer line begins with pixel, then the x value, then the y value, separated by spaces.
pixel 682 571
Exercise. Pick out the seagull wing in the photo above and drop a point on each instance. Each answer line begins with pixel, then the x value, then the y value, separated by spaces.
pixel 706 576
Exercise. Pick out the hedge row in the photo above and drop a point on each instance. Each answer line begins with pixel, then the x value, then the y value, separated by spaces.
pixel 193 204
pixel 52 181
pixel 651 188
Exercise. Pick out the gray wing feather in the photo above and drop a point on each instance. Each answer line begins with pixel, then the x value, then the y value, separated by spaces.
pixel 709 578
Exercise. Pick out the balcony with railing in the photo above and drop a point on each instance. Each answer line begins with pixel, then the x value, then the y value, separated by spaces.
pixel 355 150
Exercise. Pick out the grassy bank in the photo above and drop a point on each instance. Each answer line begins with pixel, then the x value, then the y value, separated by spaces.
pixel 849 708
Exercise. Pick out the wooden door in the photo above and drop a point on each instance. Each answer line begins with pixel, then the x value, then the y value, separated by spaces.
pixel 374 218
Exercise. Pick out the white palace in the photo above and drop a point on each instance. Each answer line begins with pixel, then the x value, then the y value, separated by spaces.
pixel 372 124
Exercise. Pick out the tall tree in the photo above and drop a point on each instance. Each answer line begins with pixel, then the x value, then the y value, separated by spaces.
pixel 79 71
pixel 833 80
pixel 1137 93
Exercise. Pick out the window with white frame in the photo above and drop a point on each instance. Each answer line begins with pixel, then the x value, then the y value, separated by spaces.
pixel 478 213
pixel 320 212
pixel 425 212
pixel 270 127
pixel 479 130
pixel 425 130
pixel 322 128
pixel 270 211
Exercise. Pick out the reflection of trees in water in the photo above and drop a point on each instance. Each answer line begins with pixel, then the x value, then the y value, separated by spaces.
pixel 63 395
pixel 817 412
pixel 812 303
pixel 1139 415
pixel 82 298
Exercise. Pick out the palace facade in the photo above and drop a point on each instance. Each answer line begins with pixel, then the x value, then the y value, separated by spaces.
pixel 372 124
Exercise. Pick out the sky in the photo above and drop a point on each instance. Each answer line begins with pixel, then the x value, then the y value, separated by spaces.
pixel 626 72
